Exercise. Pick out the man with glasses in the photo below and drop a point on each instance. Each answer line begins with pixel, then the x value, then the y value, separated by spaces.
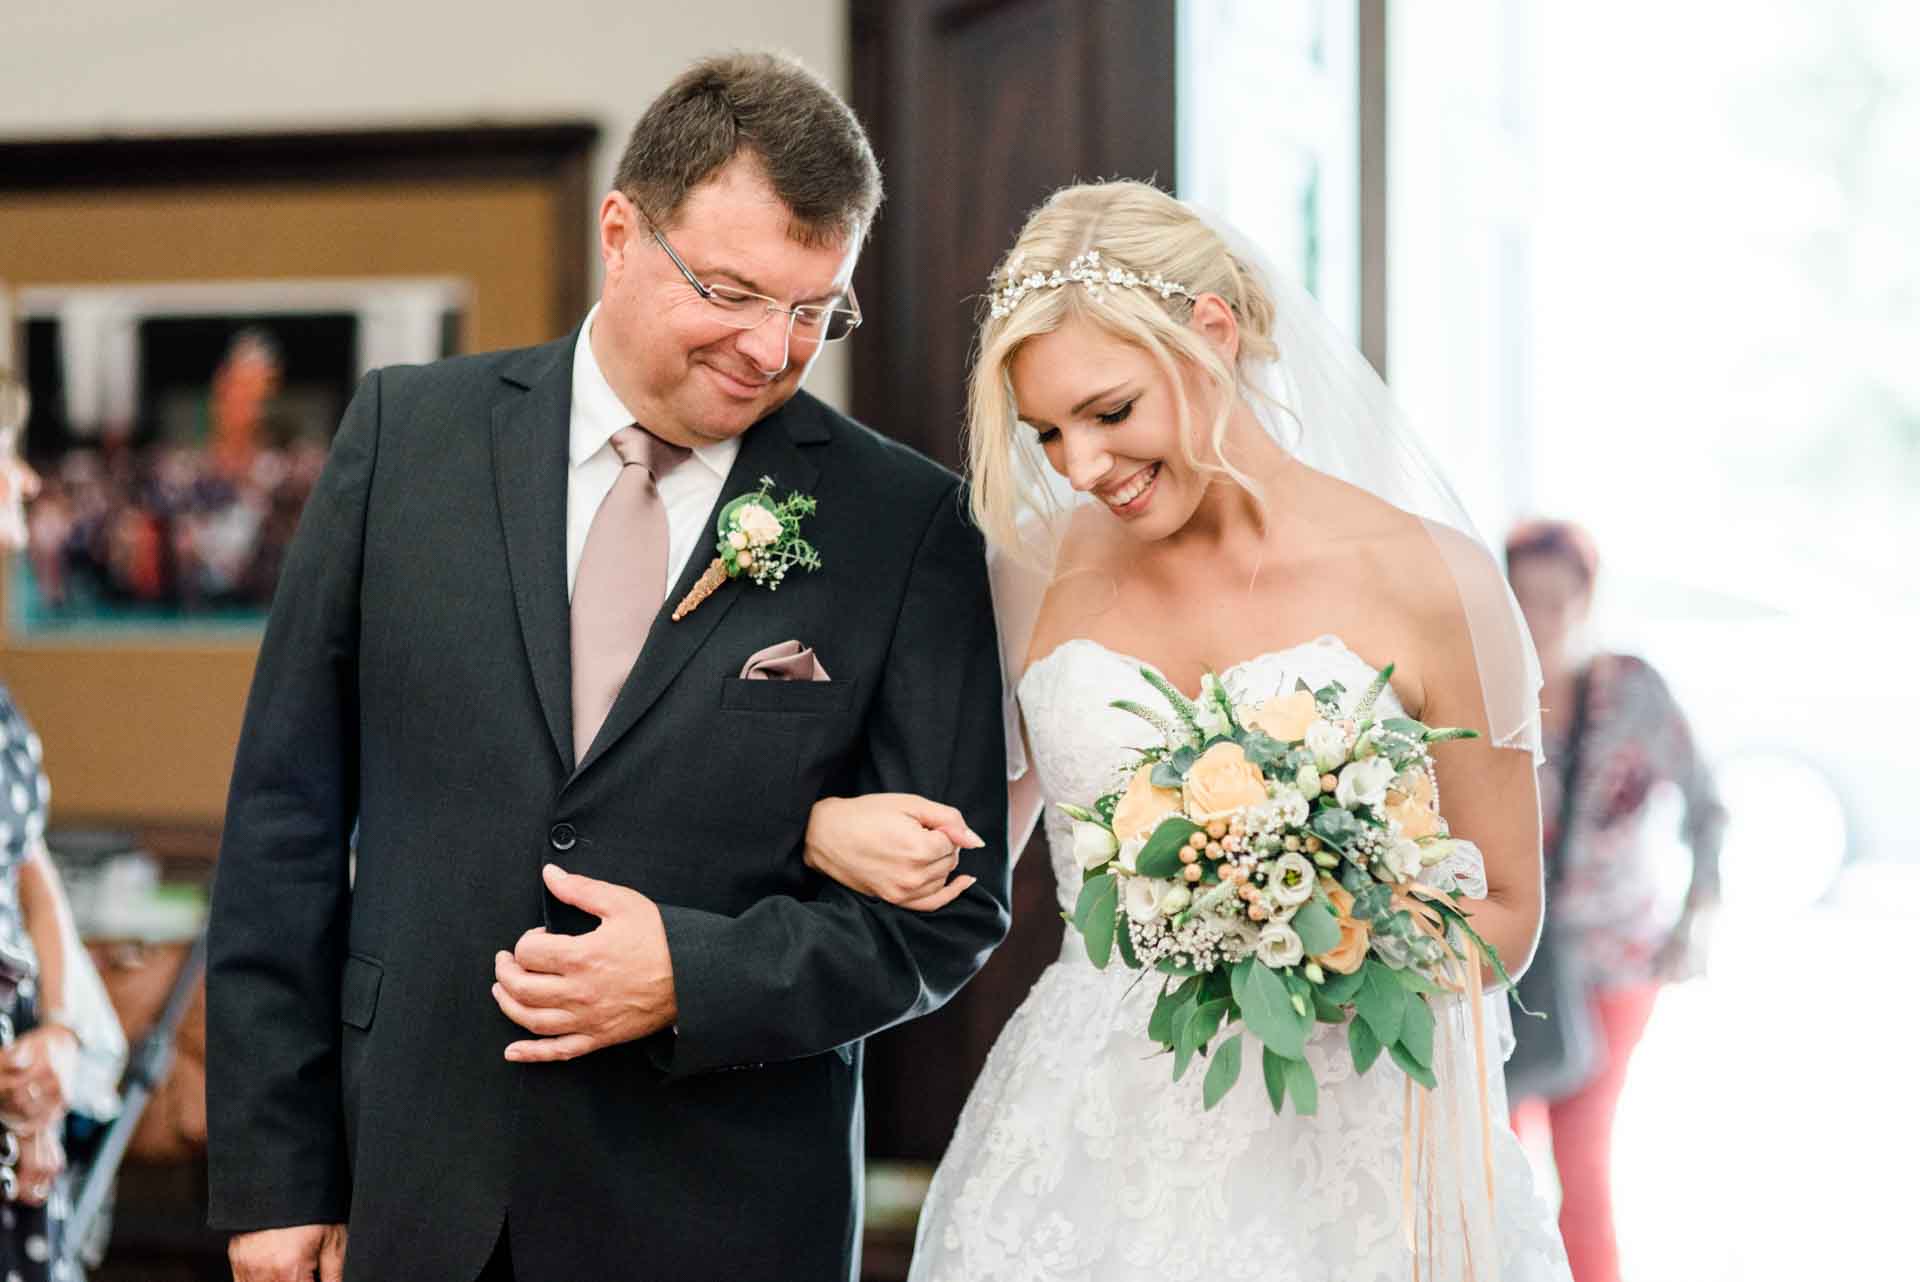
pixel 583 1011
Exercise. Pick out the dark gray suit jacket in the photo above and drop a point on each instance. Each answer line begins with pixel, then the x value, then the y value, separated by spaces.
pixel 414 682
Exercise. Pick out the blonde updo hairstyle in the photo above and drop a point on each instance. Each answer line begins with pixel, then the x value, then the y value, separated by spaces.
pixel 1138 228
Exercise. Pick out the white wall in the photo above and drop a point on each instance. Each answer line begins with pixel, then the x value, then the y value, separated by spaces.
pixel 81 68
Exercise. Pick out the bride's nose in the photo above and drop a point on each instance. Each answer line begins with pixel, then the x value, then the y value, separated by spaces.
pixel 1086 459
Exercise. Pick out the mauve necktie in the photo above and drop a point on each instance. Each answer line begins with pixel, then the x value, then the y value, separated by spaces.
pixel 622 579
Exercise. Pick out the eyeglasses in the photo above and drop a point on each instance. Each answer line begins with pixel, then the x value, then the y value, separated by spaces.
pixel 743 309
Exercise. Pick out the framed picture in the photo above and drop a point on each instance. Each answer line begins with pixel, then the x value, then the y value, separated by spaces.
pixel 178 429
pixel 191 315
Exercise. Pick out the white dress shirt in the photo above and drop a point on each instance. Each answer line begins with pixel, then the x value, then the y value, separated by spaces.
pixel 689 491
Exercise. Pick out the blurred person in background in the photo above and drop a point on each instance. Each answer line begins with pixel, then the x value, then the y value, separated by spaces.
pixel 1613 735
pixel 61 1048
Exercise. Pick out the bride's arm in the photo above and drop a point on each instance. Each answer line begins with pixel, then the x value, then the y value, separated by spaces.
pixel 1491 797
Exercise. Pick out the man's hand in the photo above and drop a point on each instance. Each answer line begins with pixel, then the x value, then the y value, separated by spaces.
pixel 294 1254
pixel 582 992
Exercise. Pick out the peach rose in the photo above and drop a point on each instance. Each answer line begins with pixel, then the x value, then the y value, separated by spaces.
pixel 759 525
pixel 1412 805
pixel 1285 717
pixel 1143 806
pixel 1222 781
pixel 1350 953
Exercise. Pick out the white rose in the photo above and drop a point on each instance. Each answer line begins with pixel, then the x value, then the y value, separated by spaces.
pixel 1327 744
pixel 1129 856
pixel 760 525
pixel 1464 866
pixel 1093 845
pixel 1403 857
pixel 1291 882
pixel 1142 897
pixel 1279 945
pixel 1307 780
pixel 1289 807
pixel 1213 722
pixel 1364 783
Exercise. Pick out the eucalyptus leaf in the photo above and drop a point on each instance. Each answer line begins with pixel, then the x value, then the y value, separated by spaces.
pixel 1363 1044
pixel 1160 1023
pixel 1222 1073
pixel 1412 1067
pixel 1183 1044
pixel 1341 988
pixel 1263 750
pixel 1267 1007
pixel 1318 929
pixel 1160 857
pixel 1167 775
pixel 1123 940
pixel 1274 1069
pixel 1300 1084
pixel 1335 826
pixel 1381 1002
pixel 1416 1030
pixel 1097 917
pixel 1206 1022
pixel 1415 982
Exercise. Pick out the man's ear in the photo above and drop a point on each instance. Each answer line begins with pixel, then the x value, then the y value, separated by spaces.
pixel 621 228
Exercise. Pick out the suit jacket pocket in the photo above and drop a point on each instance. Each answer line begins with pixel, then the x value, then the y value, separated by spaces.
pixel 793 698
pixel 359 991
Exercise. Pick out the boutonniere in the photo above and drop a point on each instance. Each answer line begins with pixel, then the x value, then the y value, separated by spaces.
pixel 759 538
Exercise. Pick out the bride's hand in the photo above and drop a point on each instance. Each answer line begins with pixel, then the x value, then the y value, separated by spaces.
pixel 891 845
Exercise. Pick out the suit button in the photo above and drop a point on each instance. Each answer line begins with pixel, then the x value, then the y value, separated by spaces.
pixel 561 837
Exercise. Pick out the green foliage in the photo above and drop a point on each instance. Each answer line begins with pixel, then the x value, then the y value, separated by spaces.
pixel 1160 857
pixel 1096 916
pixel 1416 1030
pixel 1412 1067
pixel 1335 826
pixel 1266 1005
pixel 1381 1002
pixel 1274 1069
pixel 1317 927
pixel 1300 1084
pixel 1363 1045
pixel 1222 1073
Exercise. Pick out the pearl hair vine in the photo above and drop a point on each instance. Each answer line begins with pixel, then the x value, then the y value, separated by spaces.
pixel 1085 270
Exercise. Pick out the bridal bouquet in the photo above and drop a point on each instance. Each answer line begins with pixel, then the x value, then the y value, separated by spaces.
pixel 1281 865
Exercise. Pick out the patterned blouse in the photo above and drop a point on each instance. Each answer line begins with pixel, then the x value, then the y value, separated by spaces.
pixel 24 794
pixel 1636 739
pixel 25 1232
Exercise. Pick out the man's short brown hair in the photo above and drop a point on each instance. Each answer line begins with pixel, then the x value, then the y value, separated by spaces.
pixel 808 143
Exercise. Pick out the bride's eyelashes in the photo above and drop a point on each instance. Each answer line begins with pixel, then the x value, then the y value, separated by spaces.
pixel 1112 418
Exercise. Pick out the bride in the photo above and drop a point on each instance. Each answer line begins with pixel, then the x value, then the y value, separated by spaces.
pixel 1180 467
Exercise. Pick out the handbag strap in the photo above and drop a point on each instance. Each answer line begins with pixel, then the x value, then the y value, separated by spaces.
pixel 1569 778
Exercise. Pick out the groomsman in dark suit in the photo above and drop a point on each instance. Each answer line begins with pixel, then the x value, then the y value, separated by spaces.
pixel 581 1012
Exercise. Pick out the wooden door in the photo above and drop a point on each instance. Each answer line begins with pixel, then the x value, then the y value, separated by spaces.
pixel 978 110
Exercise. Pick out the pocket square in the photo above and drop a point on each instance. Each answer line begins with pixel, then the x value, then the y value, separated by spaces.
pixel 787 661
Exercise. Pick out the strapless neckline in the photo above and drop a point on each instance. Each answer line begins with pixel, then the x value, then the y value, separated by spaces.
pixel 1326 640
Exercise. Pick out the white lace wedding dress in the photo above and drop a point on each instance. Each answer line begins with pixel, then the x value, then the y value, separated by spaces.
pixel 1078 1159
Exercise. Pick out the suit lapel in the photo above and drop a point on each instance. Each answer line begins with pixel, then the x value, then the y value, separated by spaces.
pixel 530 482
pixel 771 448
